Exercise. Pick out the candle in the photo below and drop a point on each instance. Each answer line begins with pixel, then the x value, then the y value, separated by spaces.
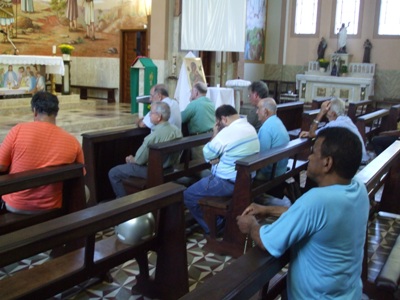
pixel 54 49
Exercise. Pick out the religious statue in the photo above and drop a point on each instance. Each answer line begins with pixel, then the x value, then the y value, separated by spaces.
pixel 342 39
pixel 321 48
pixel 367 51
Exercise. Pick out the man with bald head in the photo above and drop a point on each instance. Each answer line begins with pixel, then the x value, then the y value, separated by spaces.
pixel 272 134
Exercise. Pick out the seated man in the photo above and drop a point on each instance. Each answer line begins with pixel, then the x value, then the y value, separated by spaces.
pixel 200 113
pixel 271 134
pixel 257 90
pixel 335 112
pixel 136 166
pixel 384 140
pixel 34 145
pixel 234 138
pixel 158 93
pixel 325 228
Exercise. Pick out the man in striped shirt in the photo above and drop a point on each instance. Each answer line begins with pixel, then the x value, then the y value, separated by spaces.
pixel 234 138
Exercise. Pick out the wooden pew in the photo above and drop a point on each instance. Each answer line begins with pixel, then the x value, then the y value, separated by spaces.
pixel 291 114
pixel 103 150
pixel 359 108
pixel 372 124
pixel 158 152
pixel 394 117
pixel 71 175
pixel 252 272
pixel 245 190
pixel 96 258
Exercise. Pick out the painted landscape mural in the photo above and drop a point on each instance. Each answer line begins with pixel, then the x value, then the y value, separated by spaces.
pixel 91 26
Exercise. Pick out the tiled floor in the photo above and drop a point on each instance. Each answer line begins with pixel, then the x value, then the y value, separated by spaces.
pixel 79 116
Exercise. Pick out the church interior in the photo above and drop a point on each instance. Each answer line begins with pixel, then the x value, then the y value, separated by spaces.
pixel 288 62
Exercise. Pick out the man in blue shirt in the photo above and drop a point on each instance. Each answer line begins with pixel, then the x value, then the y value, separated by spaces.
pixel 325 228
pixel 272 134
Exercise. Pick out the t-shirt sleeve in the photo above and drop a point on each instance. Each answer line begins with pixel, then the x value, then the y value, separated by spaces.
pixel 213 149
pixel 6 147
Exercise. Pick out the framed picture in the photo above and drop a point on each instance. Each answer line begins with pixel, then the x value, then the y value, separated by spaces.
pixel 255 31
pixel 195 71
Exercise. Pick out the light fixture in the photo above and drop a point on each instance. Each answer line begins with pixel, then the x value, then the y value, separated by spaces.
pixel 147 7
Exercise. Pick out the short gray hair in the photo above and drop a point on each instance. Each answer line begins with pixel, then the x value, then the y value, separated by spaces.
pixel 163 109
pixel 269 104
pixel 338 106
pixel 201 87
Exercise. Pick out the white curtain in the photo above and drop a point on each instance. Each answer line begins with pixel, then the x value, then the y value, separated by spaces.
pixel 213 25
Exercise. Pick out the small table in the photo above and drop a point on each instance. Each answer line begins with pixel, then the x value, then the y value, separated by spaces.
pixel 221 96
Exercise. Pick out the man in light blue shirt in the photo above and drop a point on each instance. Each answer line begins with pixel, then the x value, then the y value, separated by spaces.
pixel 324 229
pixel 272 134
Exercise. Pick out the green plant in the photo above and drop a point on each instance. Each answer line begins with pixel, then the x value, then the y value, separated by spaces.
pixel 66 49
pixel 323 63
pixel 344 69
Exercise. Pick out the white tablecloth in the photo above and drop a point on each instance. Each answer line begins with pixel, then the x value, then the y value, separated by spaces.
pixel 54 64
pixel 19 91
pixel 221 96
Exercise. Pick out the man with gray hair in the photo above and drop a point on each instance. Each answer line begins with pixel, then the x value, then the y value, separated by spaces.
pixel 136 166
pixel 158 93
pixel 272 134
pixel 335 111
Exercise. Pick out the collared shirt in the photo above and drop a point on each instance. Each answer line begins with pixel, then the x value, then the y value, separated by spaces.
pixel 174 119
pixel 234 142
pixel 200 115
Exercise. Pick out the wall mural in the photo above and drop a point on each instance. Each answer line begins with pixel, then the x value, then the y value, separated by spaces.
pixel 91 26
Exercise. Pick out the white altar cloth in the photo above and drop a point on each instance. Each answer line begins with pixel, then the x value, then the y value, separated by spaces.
pixel 221 96
pixel 54 64
pixel 19 91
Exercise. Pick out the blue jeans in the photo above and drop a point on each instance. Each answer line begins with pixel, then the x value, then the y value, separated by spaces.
pixel 207 186
pixel 121 172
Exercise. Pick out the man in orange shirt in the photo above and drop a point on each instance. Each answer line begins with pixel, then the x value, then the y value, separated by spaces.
pixel 34 145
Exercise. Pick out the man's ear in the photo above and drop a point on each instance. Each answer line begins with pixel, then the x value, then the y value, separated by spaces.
pixel 328 164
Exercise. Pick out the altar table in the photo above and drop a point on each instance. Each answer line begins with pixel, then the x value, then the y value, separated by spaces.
pixel 221 96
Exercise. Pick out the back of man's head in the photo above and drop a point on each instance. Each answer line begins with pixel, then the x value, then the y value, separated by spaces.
pixel 201 87
pixel 338 106
pixel 345 149
pixel 259 87
pixel 269 104
pixel 163 109
pixel 45 103
pixel 225 111
pixel 162 90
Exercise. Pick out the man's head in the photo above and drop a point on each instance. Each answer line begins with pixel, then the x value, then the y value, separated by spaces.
pixel 265 109
pixel 257 91
pixel 44 103
pixel 337 108
pixel 336 155
pixel 158 92
pixel 198 90
pixel 159 112
pixel 225 115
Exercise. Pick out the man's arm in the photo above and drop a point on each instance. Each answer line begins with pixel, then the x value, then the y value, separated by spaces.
pixel 3 169
pixel 314 125
pixel 248 225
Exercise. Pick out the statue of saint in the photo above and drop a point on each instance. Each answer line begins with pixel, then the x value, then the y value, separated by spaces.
pixel 342 39
pixel 367 51
pixel 321 48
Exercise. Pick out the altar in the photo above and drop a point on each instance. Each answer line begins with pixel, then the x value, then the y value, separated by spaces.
pixel 15 67
pixel 357 85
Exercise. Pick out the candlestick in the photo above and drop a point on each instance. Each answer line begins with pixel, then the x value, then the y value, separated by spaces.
pixel 54 49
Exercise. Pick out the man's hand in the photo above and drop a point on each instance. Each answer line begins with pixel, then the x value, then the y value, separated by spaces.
pixel 255 210
pixel 139 123
pixel 214 161
pixel 325 106
pixel 130 159
pixel 304 134
pixel 246 222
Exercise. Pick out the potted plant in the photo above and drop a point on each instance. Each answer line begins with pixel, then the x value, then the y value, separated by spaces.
pixel 66 50
pixel 344 70
pixel 323 64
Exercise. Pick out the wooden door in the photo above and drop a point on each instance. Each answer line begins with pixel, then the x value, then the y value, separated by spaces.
pixel 133 44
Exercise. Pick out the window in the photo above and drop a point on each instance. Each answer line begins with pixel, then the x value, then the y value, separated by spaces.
pixel 347 13
pixel 389 17
pixel 306 17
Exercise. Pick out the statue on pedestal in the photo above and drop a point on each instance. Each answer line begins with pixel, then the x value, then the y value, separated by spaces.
pixel 342 39
pixel 321 48
pixel 367 51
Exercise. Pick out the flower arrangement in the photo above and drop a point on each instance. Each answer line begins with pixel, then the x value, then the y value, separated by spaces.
pixel 323 63
pixel 66 49
pixel 344 69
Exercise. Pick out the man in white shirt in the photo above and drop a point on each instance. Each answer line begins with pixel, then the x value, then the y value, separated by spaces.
pixel 159 92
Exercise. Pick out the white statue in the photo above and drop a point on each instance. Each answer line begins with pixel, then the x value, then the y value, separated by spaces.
pixel 342 40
